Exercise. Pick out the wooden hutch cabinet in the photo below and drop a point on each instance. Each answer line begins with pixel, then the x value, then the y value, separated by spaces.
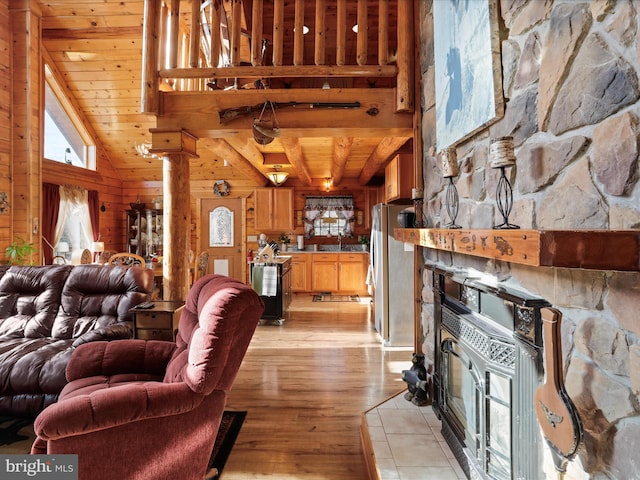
pixel 144 232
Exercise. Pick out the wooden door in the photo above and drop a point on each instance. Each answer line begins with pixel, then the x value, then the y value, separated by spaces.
pixel 221 235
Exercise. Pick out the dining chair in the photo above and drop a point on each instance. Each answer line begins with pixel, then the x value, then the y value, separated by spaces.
pixel 58 260
pixel 202 264
pixel 127 259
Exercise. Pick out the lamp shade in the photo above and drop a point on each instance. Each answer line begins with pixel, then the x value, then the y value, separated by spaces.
pixel 97 247
pixel 63 247
pixel 277 177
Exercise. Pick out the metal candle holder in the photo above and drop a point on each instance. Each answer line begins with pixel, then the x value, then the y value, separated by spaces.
pixel 449 163
pixel 502 156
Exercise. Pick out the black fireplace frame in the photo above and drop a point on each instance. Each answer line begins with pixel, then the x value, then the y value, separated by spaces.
pixel 517 315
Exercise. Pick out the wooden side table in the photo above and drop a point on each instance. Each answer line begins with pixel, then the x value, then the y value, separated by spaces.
pixel 159 322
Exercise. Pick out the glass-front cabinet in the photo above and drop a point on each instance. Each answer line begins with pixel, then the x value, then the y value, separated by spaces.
pixel 144 232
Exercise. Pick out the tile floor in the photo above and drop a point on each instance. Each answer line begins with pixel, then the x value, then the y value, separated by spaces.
pixel 407 443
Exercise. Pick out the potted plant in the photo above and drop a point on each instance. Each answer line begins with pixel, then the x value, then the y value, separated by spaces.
pixel 364 241
pixel 284 241
pixel 18 252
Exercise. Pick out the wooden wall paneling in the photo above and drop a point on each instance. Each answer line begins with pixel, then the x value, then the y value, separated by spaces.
pixel 27 103
pixel 5 121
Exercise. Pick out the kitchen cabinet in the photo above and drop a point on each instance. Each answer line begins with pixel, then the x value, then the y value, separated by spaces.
pixel 300 272
pixel 399 178
pixel 343 272
pixel 273 209
pixel 352 273
pixel 324 272
pixel 144 232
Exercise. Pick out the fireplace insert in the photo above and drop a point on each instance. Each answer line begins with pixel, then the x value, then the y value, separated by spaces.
pixel 488 364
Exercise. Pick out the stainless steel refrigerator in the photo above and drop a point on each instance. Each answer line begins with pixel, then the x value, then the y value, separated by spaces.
pixel 392 278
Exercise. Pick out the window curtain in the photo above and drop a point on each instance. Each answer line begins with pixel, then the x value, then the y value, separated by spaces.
pixel 316 206
pixel 74 201
pixel 94 213
pixel 50 209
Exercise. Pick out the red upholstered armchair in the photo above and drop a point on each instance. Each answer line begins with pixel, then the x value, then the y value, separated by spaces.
pixel 136 409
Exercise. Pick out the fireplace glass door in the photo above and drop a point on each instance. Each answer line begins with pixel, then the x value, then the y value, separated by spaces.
pixel 462 395
pixel 498 446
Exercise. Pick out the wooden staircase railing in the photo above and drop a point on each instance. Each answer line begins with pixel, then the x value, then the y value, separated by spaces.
pixel 208 42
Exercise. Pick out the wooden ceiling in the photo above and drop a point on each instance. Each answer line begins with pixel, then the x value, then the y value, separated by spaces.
pixel 95 47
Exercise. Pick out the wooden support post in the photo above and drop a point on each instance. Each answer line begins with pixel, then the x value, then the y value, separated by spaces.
pixel 26 98
pixel 176 147
pixel 174 14
pixel 176 226
pixel 320 34
pixel 405 86
pixel 341 31
pixel 150 102
pixel 278 31
pixel 236 30
pixel 216 42
pixel 298 34
pixel 383 32
pixel 194 38
pixel 256 33
pixel 361 39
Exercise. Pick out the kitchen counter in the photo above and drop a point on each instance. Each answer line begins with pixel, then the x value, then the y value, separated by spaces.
pixel 277 260
pixel 357 249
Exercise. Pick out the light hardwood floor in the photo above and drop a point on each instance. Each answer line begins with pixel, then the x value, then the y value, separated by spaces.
pixel 305 385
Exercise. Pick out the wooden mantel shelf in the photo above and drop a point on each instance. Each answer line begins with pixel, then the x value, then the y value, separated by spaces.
pixel 588 249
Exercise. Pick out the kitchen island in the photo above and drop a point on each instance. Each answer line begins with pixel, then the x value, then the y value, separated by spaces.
pixel 272 281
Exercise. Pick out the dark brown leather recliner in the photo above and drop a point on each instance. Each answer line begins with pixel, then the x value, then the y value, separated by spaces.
pixel 46 312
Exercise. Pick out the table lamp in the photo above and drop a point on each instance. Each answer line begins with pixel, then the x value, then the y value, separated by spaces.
pixel 97 248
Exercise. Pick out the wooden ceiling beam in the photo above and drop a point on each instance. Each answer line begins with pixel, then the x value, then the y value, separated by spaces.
pixel 198 112
pixel 293 150
pixel 247 147
pixel 226 152
pixel 341 150
pixel 385 149
pixel 267 71
pixel 91 33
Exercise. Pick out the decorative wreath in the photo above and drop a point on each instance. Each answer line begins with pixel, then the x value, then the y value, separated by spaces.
pixel 221 188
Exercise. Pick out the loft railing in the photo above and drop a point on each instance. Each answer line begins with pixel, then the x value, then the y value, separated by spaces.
pixel 216 44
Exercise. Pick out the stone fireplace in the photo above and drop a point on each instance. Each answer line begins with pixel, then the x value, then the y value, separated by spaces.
pixel 488 364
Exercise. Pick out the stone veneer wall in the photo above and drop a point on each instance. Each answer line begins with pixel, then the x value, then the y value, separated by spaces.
pixel 570 80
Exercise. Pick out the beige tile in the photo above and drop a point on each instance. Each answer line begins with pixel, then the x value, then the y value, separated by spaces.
pixel 427 473
pixel 416 451
pixel 382 450
pixel 406 421
pixel 373 419
pixel 387 469
pixel 458 469
pixel 377 434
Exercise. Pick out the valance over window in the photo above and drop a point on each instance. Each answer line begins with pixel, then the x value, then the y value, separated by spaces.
pixel 316 207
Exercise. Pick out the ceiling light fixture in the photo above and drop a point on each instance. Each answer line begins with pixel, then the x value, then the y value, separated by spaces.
pixel 143 150
pixel 354 29
pixel 276 176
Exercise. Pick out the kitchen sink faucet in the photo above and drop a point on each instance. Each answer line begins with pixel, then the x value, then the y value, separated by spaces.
pixel 339 241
